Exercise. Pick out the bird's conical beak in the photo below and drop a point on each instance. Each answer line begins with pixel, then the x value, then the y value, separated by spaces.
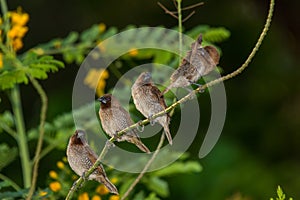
pixel 102 100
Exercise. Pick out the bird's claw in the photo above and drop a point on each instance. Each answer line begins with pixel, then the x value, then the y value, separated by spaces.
pixel 110 144
pixel 151 120
pixel 140 126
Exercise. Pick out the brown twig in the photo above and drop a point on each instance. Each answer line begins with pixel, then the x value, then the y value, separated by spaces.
pixel 167 11
pixel 148 164
pixel 187 17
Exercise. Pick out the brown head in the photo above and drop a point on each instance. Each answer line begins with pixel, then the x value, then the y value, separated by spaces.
pixel 214 54
pixel 144 79
pixel 78 138
pixel 108 100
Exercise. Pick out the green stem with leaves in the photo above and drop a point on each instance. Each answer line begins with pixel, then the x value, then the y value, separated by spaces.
pixel 44 100
pixel 21 138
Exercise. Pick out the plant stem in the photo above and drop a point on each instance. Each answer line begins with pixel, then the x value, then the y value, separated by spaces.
pixel 11 182
pixel 21 138
pixel 5 20
pixel 44 100
pixel 148 164
pixel 179 26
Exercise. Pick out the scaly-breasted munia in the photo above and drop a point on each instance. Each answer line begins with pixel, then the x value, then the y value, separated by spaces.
pixel 115 118
pixel 149 101
pixel 81 158
pixel 198 62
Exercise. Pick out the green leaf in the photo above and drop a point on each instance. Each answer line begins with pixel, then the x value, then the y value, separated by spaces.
pixel 139 196
pixel 194 33
pixel 152 196
pixel 216 35
pixel 280 194
pixel 179 167
pixel 14 195
pixel 162 57
pixel 126 185
pixel 71 38
pixel 157 185
pixel 90 34
pixel 7 118
pixel 9 78
pixel 7 155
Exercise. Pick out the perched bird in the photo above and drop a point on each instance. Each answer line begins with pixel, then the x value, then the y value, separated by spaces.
pixel 115 118
pixel 149 101
pixel 198 62
pixel 81 158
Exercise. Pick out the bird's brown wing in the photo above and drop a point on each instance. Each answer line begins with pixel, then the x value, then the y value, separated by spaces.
pixel 93 157
pixel 158 95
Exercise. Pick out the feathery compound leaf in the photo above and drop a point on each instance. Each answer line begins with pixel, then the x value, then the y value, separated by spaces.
pixel 216 35
pixel 9 78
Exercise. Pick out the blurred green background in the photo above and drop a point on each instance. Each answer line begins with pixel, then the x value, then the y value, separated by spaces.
pixel 260 144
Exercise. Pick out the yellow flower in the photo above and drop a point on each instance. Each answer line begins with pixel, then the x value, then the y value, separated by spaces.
pixel 95 79
pixel 55 186
pixel 1 60
pixel 17 32
pixel 53 174
pixel 96 197
pixel 114 180
pixel 114 197
pixel 17 44
pixel 19 18
pixel 102 27
pixel 83 196
pixel 102 190
pixel 60 165
pixel 42 193
pixel 133 52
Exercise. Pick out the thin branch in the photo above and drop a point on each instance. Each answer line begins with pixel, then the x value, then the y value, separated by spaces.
pixel 148 164
pixel 11 182
pixel 166 10
pixel 193 6
pixel 179 26
pixel 187 17
pixel 9 130
pixel 184 99
pixel 44 100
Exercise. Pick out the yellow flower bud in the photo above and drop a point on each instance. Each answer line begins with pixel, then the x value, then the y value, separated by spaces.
pixel 114 180
pixel 19 18
pixel 42 193
pixel 133 52
pixel 53 174
pixel 83 196
pixel 1 60
pixel 102 190
pixel 114 197
pixel 102 27
pixel 60 165
pixel 96 197
pixel 55 186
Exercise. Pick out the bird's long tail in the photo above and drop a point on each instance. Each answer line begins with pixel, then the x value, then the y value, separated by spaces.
pixel 105 181
pixel 164 122
pixel 139 144
pixel 168 134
